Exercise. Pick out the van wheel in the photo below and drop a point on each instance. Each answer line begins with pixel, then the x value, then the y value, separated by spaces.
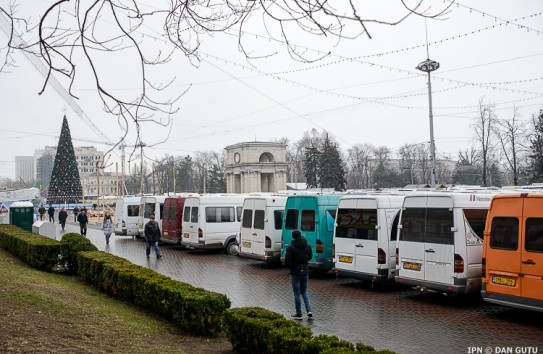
pixel 232 249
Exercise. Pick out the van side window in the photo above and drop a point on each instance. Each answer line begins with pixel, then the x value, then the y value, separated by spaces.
pixel 476 219
pixel 149 209
pixel 220 214
pixel 247 220
pixel 439 222
pixel 291 221
pixel 259 220
pixel 357 223
pixel 534 235
pixel 133 210
pixel 278 219
pixel 238 212
pixel 308 220
pixel 194 214
pixel 504 233
pixel 413 224
pixel 330 220
pixel 186 214
pixel 394 230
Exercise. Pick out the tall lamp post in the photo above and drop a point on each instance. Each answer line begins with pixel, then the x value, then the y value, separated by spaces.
pixel 428 66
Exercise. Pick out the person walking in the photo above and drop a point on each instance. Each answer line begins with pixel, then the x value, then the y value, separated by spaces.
pixel 83 221
pixel 152 236
pixel 76 212
pixel 42 211
pixel 62 217
pixel 297 258
pixel 107 226
pixel 51 212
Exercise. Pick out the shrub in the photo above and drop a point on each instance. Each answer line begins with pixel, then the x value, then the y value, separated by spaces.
pixel 70 245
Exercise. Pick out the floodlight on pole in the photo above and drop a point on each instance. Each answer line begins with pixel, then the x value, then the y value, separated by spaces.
pixel 428 66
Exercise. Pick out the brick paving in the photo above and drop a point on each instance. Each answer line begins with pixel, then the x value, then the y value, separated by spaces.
pixel 386 317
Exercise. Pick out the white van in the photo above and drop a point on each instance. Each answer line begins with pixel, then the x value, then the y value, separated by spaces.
pixel 365 236
pixel 440 241
pixel 261 225
pixel 127 216
pixel 212 221
pixel 150 205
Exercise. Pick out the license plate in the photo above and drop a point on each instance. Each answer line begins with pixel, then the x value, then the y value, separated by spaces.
pixel 346 259
pixel 186 235
pixel 412 266
pixel 504 281
pixel 246 244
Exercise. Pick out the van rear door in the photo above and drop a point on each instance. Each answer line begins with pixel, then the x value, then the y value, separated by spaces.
pixel 346 234
pixel 531 265
pixel 259 222
pixel 247 227
pixel 366 247
pixel 411 241
pixel 503 253
pixel 439 240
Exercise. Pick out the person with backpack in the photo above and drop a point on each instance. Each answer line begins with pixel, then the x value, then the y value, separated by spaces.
pixel 297 258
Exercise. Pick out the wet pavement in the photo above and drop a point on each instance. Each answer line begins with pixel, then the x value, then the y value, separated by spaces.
pixel 386 317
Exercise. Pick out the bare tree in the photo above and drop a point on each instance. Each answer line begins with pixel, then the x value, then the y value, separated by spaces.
pixel 358 160
pixel 512 137
pixel 484 132
pixel 81 40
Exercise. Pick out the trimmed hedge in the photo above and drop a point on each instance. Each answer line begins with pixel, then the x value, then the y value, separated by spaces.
pixel 38 251
pixel 70 245
pixel 195 310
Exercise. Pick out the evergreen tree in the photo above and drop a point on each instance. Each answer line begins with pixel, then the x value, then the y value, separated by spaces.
pixel 216 180
pixel 311 166
pixel 65 186
pixel 536 150
pixel 330 171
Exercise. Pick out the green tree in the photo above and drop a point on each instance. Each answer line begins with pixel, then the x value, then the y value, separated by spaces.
pixel 216 180
pixel 330 168
pixel 535 168
pixel 184 177
pixel 311 166
pixel 65 186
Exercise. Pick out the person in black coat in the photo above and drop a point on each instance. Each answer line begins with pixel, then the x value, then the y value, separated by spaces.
pixel 76 212
pixel 51 212
pixel 152 236
pixel 83 221
pixel 297 257
pixel 62 217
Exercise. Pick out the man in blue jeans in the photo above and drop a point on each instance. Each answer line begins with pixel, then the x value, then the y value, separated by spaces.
pixel 297 258
pixel 152 236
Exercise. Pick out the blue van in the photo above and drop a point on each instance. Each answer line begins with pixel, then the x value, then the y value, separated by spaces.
pixel 314 215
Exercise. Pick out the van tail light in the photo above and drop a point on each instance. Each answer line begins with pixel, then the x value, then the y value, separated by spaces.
pixel 268 242
pixel 200 233
pixel 397 256
pixel 320 247
pixel 458 264
pixel 483 265
pixel 381 256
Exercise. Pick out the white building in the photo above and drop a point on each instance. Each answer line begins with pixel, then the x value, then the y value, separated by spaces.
pixel 104 183
pixel 256 167
pixel 24 169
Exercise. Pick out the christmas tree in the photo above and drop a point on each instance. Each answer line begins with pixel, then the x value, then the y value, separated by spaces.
pixel 65 184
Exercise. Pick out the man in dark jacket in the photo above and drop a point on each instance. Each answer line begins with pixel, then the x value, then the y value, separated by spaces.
pixel 297 258
pixel 51 212
pixel 83 221
pixel 152 236
pixel 62 217
pixel 42 211
pixel 76 212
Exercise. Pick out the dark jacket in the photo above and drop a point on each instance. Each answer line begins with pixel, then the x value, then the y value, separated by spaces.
pixel 152 232
pixel 82 218
pixel 76 210
pixel 51 210
pixel 297 256
pixel 41 210
pixel 62 216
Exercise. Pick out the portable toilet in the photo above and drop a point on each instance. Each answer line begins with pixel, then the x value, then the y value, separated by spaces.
pixel 21 214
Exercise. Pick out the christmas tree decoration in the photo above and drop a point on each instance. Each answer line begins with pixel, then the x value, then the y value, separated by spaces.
pixel 65 184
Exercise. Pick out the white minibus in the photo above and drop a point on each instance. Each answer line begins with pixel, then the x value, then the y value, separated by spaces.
pixel 261 225
pixel 212 221
pixel 365 236
pixel 150 205
pixel 127 216
pixel 440 241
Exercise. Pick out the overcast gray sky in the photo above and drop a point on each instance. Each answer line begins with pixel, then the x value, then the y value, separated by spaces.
pixel 365 91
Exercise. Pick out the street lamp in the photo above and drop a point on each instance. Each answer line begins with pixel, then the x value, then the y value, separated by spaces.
pixel 428 66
